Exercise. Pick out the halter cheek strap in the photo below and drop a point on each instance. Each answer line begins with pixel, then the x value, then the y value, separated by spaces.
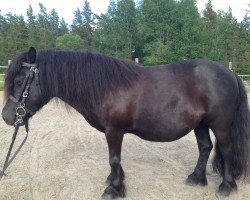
pixel 21 109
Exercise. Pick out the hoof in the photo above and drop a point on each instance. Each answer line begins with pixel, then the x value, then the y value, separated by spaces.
pixel 196 180
pixel 108 196
pixel 111 192
pixel 226 188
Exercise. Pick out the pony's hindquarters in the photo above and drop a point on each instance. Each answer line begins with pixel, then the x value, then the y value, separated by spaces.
pixel 232 153
pixel 240 135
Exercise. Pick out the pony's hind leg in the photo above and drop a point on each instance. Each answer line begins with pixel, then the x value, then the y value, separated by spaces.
pixel 223 161
pixel 116 187
pixel 205 146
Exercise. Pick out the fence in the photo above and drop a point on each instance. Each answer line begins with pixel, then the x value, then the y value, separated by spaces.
pixel 246 80
pixel 2 75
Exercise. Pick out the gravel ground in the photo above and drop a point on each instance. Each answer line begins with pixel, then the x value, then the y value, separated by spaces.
pixel 64 158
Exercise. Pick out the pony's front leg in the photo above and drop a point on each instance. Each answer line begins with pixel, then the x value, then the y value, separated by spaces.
pixel 116 187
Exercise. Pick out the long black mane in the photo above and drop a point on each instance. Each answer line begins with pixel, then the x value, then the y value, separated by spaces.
pixel 77 77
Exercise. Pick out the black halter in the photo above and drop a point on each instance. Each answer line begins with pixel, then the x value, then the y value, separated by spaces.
pixel 21 110
pixel 21 97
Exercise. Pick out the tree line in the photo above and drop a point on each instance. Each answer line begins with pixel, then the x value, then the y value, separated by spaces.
pixel 155 31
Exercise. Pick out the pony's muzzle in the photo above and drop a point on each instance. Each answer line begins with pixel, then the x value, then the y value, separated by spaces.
pixel 8 117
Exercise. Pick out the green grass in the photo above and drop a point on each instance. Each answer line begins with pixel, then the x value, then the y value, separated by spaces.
pixel 1 83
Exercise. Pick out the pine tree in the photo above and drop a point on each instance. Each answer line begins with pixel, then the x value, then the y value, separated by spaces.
pixel 83 23
pixel 157 30
pixel 63 27
pixel 13 36
pixel 43 27
pixel 212 40
pixel 32 28
pixel 209 15
pixel 77 24
pixel 88 23
pixel 117 34
pixel 187 42
pixel 53 25
pixel 105 34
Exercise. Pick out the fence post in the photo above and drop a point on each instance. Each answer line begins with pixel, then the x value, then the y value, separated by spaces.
pixel 9 61
pixel 230 65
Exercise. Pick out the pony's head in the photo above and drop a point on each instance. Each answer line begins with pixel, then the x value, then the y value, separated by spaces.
pixel 22 89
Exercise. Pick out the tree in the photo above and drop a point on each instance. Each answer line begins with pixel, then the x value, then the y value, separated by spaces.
pixel 77 24
pixel 105 34
pixel 157 26
pixel 32 28
pixel 243 66
pixel 246 21
pixel 228 29
pixel 13 36
pixel 88 23
pixel 212 39
pixel 187 41
pixel 69 41
pixel 43 27
pixel 209 15
pixel 83 23
pixel 156 31
pixel 158 53
pixel 117 30
pixel 63 27
pixel 53 19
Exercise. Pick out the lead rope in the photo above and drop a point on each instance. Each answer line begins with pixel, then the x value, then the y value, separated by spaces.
pixel 7 162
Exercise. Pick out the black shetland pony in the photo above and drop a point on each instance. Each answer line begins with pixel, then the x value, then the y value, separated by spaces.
pixel 161 103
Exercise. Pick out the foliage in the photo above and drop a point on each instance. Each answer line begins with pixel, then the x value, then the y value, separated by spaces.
pixel 83 24
pixel 117 34
pixel 69 41
pixel 158 53
pixel 155 31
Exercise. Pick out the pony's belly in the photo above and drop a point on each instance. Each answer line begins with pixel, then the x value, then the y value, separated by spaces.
pixel 161 136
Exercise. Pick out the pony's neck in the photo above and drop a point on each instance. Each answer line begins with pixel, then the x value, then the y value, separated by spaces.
pixel 64 89
pixel 82 79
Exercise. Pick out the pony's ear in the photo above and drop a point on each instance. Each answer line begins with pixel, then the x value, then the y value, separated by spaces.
pixel 32 55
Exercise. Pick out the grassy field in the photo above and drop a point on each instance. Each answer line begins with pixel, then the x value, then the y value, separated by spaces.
pixel 1 83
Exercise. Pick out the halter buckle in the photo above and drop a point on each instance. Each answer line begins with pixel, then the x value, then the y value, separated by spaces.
pixel 19 120
pixel 25 94
pixel 34 69
pixel 20 111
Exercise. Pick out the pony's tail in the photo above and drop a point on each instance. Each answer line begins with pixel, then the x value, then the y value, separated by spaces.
pixel 240 135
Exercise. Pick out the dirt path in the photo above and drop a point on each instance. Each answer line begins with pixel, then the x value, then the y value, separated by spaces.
pixel 66 159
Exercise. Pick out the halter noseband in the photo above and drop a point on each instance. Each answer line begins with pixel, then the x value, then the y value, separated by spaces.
pixel 21 110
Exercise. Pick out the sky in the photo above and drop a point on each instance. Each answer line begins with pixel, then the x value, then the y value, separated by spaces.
pixel 66 8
